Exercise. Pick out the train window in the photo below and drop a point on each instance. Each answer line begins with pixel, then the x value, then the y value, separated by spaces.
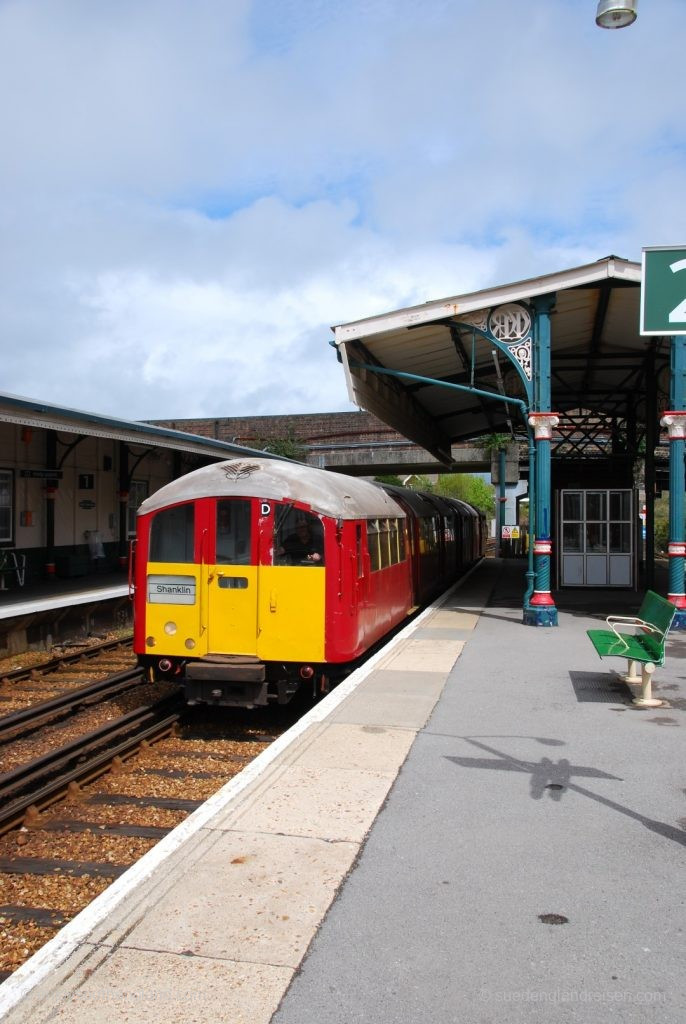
pixel 384 543
pixel 233 582
pixel 373 544
pixel 171 535
pixel 298 538
pixel 401 540
pixel 233 532
pixel 428 534
pixel 393 537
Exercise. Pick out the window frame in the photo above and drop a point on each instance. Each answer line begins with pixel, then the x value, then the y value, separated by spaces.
pixel 189 508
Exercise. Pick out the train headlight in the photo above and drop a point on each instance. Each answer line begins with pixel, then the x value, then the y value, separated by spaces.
pixel 150 641
pixel 170 628
pixel 190 644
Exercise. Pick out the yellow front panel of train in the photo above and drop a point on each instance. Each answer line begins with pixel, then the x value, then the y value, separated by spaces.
pixel 175 609
pixel 291 607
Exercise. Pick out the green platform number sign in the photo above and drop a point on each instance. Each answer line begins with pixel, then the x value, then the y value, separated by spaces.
pixel 663 292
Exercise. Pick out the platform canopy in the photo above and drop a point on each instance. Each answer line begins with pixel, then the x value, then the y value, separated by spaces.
pixel 600 364
pixel 31 412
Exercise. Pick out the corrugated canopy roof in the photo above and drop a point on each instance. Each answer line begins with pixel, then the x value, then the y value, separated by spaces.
pixel 599 359
pixel 34 413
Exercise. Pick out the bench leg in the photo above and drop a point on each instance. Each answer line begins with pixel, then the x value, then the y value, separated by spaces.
pixel 632 675
pixel 646 700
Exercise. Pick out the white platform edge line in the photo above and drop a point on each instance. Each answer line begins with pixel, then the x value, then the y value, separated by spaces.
pixel 62 945
pixel 45 604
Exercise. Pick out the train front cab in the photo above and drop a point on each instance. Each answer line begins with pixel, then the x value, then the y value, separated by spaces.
pixel 217 601
pixel 224 606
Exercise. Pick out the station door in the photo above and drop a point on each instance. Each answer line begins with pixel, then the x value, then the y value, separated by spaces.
pixel 597 538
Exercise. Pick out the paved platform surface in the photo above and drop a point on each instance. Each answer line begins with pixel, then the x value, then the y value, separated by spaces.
pixel 395 857
pixel 47 595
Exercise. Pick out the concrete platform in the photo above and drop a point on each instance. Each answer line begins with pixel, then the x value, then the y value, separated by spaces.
pixel 394 856
pixel 41 615
pixel 59 593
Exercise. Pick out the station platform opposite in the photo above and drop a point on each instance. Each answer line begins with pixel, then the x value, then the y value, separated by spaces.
pixel 479 826
pixel 43 613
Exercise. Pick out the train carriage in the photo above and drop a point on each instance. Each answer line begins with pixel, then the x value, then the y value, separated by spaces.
pixel 254 576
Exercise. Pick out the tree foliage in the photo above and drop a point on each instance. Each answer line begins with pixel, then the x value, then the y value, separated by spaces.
pixel 494 442
pixel 465 486
pixel 469 488
pixel 288 447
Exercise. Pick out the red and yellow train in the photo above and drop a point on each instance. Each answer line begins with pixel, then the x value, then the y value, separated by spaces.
pixel 255 576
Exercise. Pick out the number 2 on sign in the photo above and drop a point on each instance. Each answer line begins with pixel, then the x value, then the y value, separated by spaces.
pixel 678 314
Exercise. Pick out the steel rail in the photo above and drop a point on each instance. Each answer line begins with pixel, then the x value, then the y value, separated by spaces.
pixel 70 701
pixel 50 776
pixel 54 664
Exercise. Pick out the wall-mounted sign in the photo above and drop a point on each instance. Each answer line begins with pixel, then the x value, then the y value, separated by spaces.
pixel 87 504
pixel 510 533
pixel 663 291
pixel 42 474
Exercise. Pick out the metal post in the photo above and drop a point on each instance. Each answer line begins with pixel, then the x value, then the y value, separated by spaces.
pixel 123 495
pixel 675 421
pixel 542 610
pixel 50 496
pixel 500 504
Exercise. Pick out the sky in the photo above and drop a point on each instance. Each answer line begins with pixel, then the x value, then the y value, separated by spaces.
pixel 192 192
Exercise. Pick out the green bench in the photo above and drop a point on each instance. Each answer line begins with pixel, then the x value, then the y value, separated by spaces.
pixel 645 648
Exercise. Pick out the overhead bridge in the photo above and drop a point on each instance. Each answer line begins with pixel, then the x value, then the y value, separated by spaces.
pixel 399 458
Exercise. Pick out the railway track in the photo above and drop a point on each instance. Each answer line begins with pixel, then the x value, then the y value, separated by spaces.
pixel 77 816
pixel 38 782
pixel 24 722
pixel 23 687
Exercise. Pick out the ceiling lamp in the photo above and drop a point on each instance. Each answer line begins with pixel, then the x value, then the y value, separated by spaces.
pixel 616 13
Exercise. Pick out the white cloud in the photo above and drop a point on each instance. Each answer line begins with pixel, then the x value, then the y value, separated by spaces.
pixel 193 193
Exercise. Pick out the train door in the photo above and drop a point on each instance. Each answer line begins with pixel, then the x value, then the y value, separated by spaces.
pixel 231 579
pixel 292 593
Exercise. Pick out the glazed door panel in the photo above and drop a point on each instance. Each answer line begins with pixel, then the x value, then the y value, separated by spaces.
pixel 597 538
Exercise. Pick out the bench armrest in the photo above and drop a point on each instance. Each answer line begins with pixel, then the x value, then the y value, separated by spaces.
pixel 631 620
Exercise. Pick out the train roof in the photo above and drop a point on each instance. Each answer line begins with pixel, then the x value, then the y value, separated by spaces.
pixel 330 494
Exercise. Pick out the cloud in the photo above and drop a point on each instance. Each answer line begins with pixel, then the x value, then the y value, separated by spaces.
pixel 193 194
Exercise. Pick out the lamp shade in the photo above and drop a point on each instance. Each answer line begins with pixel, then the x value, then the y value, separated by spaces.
pixel 616 13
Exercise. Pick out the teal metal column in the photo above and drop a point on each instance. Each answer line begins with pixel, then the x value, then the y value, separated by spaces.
pixel 675 421
pixel 500 504
pixel 542 610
